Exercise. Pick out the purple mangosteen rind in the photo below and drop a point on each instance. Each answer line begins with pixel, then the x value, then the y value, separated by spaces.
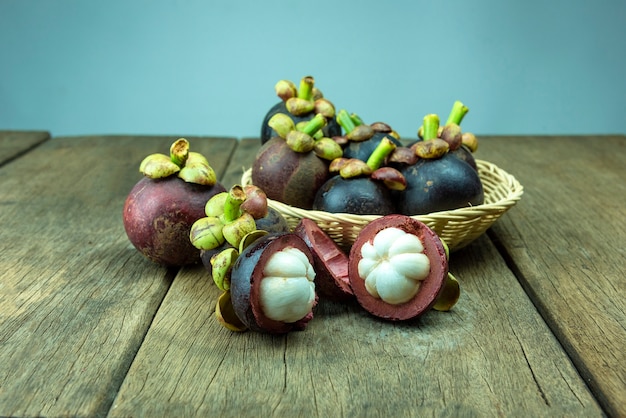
pixel 158 214
pixel 429 289
pixel 246 277
pixel 286 176
pixel 330 262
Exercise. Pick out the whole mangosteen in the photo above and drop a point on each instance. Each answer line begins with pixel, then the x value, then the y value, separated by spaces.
pixel 290 168
pixel 398 268
pixel 438 181
pixel 361 187
pixel 301 105
pixel 161 208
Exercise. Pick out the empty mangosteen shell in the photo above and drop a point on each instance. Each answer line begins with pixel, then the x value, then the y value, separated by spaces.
pixel 246 277
pixel 430 287
pixel 158 215
pixel 330 262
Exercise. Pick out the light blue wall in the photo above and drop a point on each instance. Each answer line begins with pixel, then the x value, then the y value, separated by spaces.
pixel 193 67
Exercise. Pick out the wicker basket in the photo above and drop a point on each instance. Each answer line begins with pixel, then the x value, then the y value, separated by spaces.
pixel 456 227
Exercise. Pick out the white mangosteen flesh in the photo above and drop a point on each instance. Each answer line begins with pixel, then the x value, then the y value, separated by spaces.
pixel 287 290
pixel 393 265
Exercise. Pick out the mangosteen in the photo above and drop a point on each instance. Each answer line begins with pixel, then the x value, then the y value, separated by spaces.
pixel 161 208
pixel 229 216
pixel 272 284
pixel 361 188
pixel 398 268
pixel 330 262
pixel 362 139
pixel 438 181
pixel 291 168
pixel 301 105
pixel 462 145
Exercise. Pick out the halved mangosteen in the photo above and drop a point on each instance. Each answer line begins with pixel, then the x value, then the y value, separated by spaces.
pixel 272 284
pixel 398 268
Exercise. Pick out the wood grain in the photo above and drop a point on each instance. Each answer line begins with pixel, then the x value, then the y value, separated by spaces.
pixel 76 299
pixel 492 355
pixel 566 241
pixel 16 143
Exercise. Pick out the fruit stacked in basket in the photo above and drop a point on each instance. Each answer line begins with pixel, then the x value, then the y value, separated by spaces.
pixel 333 168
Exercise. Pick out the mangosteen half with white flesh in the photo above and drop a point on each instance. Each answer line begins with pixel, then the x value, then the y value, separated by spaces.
pixel 272 286
pixel 301 104
pixel 399 268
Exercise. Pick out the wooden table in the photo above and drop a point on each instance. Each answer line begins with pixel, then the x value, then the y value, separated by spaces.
pixel 88 327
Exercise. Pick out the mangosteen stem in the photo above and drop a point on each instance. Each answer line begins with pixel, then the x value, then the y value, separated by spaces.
pixel 458 112
pixel 431 126
pixel 315 124
pixel 346 122
pixel 382 150
pixel 236 196
pixel 305 91
pixel 356 119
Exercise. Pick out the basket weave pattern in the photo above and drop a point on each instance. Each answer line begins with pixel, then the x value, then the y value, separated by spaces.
pixel 457 227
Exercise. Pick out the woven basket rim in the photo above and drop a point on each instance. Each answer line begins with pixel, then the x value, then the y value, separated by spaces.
pixel 485 168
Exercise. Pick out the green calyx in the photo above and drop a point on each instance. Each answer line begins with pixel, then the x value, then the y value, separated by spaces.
pixel 222 264
pixel 191 167
pixel 301 137
pixel 304 99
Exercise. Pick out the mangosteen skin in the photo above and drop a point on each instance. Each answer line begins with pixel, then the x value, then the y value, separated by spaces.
pixel 430 288
pixel 273 222
pixel 331 129
pixel 330 262
pixel 463 153
pixel 158 215
pixel 363 149
pixel 358 196
pixel 245 283
pixel 439 184
pixel 287 176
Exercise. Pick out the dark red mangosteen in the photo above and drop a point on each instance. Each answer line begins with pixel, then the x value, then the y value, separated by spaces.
pixel 330 262
pixel 272 285
pixel 161 208
pixel 290 168
pixel 301 105
pixel 398 268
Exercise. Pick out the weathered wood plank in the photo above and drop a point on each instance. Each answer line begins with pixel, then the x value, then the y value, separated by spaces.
pixel 15 143
pixel 566 240
pixel 491 356
pixel 76 298
pixel 242 160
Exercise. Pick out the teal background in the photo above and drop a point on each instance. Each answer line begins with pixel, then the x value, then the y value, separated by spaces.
pixel 191 67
